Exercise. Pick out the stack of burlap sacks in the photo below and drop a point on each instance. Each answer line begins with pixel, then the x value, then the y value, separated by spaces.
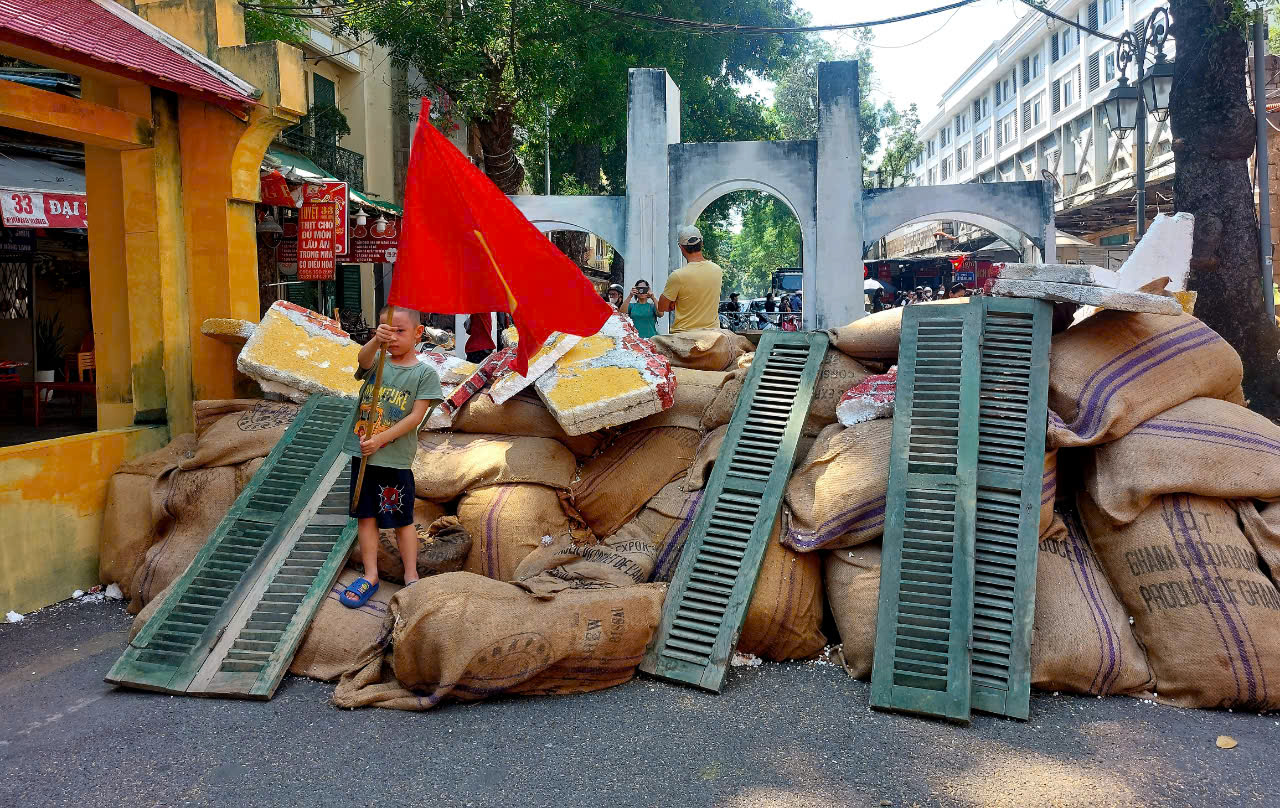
pixel 1159 542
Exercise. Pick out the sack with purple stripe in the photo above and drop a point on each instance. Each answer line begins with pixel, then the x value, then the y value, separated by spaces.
pixel 1082 641
pixel 1202 608
pixel 1117 369
pixel 1204 446
pixel 667 519
pixel 614 485
pixel 836 496
pixel 1048 489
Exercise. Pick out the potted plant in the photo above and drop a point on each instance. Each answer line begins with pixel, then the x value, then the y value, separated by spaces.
pixel 50 347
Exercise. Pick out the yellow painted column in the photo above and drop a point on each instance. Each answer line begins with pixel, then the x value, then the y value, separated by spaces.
pixel 108 278
pixel 171 243
pixel 143 268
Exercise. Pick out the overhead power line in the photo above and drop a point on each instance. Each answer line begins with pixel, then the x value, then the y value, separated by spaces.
pixel 733 28
pixel 1035 5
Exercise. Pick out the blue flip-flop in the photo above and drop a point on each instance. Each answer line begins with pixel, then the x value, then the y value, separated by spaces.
pixel 362 589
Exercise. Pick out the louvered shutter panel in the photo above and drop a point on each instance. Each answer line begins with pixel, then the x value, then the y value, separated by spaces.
pixel 1053 48
pixel 175 651
pixel 925 612
pixel 977 110
pixel 1026 115
pixel 1012 415
pixel 1026 69
pixel 1056 92
pixel 1092 15
pixel 1094 76
pixel 349 289
pixel 713 584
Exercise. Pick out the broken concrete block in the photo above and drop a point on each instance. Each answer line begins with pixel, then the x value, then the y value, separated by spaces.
pixel 612 378
pixel 1102 297
pixel 1059 273
pixel 1165 249
pixel 869 399
pixel 228 329
pixel 296 353
pixel 495 364
pixel 451 370
pixel 510 382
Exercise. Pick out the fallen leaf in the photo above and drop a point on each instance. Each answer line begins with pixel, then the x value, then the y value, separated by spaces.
pixel 1226 742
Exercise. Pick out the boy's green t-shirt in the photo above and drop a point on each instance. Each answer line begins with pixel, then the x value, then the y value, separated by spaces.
pixel 401 387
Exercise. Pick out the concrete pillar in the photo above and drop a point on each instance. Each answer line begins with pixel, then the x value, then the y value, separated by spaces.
pixel 833 287
pixel 653 123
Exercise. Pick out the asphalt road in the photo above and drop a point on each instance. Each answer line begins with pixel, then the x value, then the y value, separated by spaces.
pixel 780 735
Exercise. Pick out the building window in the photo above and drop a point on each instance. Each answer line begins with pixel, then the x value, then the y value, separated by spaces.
pixel 962 158
pixel 1037 110
pixel 977 109
pixel 1110 72
pixel 933 176
pixel 1109 10
pixel 1114 241
pixel 1070 38
pixel 1006 128
pixel 982 145
pixel 944 138
pixel 1036 67
pixel 931 148
pixel 1069 92
pixel 962 124
pixel 946 168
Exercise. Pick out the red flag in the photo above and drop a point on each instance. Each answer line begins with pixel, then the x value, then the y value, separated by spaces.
pixel 464 247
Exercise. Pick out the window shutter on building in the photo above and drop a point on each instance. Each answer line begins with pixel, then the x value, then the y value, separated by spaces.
pixel 1057 95
pixel 1094 75
pixel 1053 48
pixel 1092 15
pixel 349 289
pixel 977 109
pixel 1026 69
pixel 1026 115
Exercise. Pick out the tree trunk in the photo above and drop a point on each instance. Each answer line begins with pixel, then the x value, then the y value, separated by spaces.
pixel 587 159
pixel 497 135
pixel 1213 139
pixel 573 243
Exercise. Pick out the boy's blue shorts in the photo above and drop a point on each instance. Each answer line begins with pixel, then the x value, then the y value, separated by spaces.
pixel 387 495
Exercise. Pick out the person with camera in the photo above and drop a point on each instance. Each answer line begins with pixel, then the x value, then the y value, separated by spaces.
pixel 642 308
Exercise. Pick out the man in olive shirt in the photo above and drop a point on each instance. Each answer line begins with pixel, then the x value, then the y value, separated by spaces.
pixel 693 290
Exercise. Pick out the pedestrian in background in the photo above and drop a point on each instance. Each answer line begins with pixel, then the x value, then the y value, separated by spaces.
pixel 614 296
pixel 642 309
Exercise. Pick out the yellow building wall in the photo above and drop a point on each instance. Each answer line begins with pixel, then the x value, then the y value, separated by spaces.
pixel 52 495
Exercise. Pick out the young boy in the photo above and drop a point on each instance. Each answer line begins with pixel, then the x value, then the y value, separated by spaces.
pixel 409 389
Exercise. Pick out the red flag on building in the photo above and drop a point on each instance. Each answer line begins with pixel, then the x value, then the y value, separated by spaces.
pixel 464 247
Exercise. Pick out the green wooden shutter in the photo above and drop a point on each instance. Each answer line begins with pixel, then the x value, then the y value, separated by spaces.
pixel 262 558
pixel 713 584
pixel 349 290
pixel 1012 416
pixel 926 596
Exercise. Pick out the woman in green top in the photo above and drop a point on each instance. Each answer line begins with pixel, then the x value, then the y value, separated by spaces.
pixel 642 309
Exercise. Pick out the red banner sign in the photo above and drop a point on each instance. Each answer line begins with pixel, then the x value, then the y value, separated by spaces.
pixel 36 209
pixel 369 243
pixel 275 190
pixel 335 192
pixel 316 230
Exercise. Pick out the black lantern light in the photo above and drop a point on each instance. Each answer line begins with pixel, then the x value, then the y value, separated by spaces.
pixel 1121 108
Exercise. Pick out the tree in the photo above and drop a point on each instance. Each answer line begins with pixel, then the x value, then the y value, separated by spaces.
pixel 261 25
pixel 501 62
pixel 1213 139
pixel 902 148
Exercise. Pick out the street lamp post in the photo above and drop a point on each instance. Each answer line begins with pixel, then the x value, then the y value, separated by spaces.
pixel 1127 106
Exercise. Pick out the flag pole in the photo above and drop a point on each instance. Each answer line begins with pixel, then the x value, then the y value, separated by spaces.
pixel 373 408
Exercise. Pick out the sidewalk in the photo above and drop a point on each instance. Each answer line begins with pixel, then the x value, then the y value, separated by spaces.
pixel 780 735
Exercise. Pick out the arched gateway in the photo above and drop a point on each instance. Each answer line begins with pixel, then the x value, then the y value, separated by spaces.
pixel 670 183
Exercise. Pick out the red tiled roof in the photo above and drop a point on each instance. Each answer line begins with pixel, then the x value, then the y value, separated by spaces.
pixel 111 38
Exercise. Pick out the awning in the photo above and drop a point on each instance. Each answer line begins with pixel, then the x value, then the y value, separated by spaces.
pixel 42 193
pixel 299 168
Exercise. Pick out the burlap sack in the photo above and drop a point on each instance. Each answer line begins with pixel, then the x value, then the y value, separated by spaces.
pixel 1048 489
pixel 1117 369
pixel 836 496
pixel 695 391
pixel 135 499
pixel 784 618
pixel 1204 446
pixel 147 612
pixel 623 559
pixel 508 522
pixel 745 360
pixel 443 545
pixel 853 589
pixel 720 411
pixel 245 472
pixel 523 415
pixel 447 464
pixel 666 520
pixel 1204 611
pixel 339 634
pixel 193 504
pixel 875 336
pixel 1082 641
pixel 463 637
pixel 615 484
pixel 836 375
pixel 709 349
pixel 1261 525
pixel 705 458
pixel 234 431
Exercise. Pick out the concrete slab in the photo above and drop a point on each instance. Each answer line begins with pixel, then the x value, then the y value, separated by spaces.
pixel 1060 273
pixel 495 364
pixel 296 353
pixel 608 379
pixel 1102 297
pixel 451 370
pixel 508 383
pixel 230 330
pixel 869 399
pixel 1165 249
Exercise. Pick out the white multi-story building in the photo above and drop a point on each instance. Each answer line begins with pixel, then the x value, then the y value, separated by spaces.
pixel 1030 107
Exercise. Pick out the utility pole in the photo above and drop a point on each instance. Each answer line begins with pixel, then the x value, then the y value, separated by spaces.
pixel 1260 161
pixel 546 159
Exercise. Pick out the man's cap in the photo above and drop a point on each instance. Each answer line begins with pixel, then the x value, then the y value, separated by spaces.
pixel 733 294
pixel 615 287
pixel 689 235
